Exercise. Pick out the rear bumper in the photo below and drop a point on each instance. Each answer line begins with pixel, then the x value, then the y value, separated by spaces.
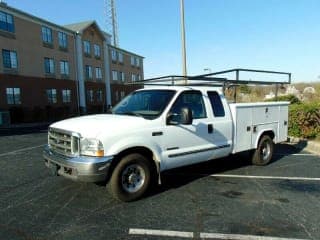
pixel 79 168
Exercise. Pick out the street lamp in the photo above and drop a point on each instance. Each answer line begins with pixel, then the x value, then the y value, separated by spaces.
pixel 183 41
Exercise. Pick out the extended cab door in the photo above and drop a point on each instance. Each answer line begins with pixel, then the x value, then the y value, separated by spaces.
pixel 187 144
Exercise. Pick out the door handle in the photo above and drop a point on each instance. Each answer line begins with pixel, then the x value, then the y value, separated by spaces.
pixel 210 128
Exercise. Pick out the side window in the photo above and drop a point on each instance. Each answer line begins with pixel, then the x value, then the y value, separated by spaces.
pixel 217 107
pixel 192 100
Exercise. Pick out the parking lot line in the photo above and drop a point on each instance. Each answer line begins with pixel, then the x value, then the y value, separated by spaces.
pixel 240 237
pixel 163 233
pixel 265 177
pixel 221 236
pixel 296 154
pixel 21 150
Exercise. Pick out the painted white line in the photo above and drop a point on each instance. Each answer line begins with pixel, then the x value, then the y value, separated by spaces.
pixel 296 154
pixel 163 233
pixel 20 150
pixel 241 237
pixel 265 177
pixel 221 236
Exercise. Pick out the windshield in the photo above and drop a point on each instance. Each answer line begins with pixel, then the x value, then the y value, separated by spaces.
pixel 148 104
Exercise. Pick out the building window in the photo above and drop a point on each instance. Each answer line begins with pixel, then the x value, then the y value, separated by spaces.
pixel 113 55
pixel 138 78
pixel 122 94
pixel 52 95
pixel 133 77
pixel 13 96
pixel 114 75
pixel 64 67
pixel 120 55
pixel 117 96
pixel 99 96
pixel 49 65
pixel 90 96
pixel 86 47
pixel 97 51
pixel 47 35
pixel 6 22
pixel 122 76
pixel 137 62
pixel 9 59
pixel 98 73
pixel 66 96
pixel 132 60
pixel 88 72
pixel 63 40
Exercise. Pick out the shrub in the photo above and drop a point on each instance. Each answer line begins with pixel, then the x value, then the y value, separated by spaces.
pixel 304 120
pixel 290 98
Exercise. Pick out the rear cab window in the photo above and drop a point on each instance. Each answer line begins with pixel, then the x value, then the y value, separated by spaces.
pixel 216 104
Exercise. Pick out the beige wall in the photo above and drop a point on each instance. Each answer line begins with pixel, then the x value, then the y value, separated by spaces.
pixel 27 42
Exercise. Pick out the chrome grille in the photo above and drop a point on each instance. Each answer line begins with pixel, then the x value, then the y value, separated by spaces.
pixel 63 142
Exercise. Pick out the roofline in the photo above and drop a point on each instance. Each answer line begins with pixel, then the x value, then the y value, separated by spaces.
pixel 37 19
pixel 125 51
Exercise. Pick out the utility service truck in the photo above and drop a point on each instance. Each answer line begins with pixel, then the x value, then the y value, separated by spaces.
pixel 161 127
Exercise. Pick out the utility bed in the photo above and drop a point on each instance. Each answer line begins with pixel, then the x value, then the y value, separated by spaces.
pixel 250 119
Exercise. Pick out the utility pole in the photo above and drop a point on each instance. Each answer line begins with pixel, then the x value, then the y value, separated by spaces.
pixel 183 41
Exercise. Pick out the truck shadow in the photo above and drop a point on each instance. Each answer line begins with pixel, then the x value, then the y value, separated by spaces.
pixel 182 176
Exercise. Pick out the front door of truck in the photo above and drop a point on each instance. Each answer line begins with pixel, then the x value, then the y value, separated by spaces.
pixel 187 144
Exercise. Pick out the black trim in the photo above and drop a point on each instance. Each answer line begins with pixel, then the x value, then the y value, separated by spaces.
pixel 172 148
pixel 198 151
pixel 157 134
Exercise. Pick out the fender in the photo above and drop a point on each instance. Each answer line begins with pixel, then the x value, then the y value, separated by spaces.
pixel 260 133
pixel 131 142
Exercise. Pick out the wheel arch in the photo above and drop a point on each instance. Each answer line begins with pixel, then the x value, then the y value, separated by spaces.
pixel 148 153
pixel 269 132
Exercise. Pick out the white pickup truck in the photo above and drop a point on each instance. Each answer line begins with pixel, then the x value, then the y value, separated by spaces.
pixel 160 128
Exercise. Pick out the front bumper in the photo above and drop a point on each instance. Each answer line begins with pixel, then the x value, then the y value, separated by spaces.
pixel 79 168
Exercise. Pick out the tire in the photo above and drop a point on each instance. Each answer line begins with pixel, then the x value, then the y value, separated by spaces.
pixel 264 152
pixel 131 178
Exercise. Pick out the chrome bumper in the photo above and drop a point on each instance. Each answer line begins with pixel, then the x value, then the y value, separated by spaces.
pixel 79 168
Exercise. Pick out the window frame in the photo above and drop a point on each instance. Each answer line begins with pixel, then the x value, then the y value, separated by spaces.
pixel 52 96
pixel 49 64
pixel 88 72
pixel 64 65
pixel 66 95
pixel 87 47
pixel 46 33
pixel 9 59
pixel 63 40
pixel 7 25
pixel 14 95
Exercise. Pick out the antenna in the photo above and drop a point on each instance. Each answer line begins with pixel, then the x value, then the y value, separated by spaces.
pixel 111 20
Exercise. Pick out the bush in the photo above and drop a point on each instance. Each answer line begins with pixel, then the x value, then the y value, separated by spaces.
pixel 304 120
pixel 289 98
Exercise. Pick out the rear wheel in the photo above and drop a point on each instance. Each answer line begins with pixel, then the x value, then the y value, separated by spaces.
pixel 264 152
pixel 131 177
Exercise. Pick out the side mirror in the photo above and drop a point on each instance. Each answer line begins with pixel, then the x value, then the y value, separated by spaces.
pixel 185 117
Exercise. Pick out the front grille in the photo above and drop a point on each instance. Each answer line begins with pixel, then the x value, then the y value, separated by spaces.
pixel 63 142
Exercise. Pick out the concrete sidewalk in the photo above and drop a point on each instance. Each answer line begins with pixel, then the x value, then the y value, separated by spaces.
pixel 307 145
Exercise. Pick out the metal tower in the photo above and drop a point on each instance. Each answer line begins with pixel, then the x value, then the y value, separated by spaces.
pixel 111 20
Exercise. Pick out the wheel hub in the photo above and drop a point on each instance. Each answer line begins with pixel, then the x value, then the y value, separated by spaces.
pixel 133 178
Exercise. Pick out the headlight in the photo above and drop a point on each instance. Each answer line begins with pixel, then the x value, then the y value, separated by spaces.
pixel 91 147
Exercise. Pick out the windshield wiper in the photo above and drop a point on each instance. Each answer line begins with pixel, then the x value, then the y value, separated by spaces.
pixel 131 114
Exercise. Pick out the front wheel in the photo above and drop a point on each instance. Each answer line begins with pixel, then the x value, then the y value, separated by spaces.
pixel 263 154
pixel 130 178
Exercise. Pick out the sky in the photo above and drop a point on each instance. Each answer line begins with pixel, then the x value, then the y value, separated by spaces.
pixel 278 35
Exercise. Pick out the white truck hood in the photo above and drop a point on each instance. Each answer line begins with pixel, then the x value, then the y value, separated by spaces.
pixel 91 126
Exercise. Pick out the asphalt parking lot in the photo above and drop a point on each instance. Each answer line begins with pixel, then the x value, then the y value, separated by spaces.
pixel 222 199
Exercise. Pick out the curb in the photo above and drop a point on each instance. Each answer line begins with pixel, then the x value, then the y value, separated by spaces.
pixel 303 144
